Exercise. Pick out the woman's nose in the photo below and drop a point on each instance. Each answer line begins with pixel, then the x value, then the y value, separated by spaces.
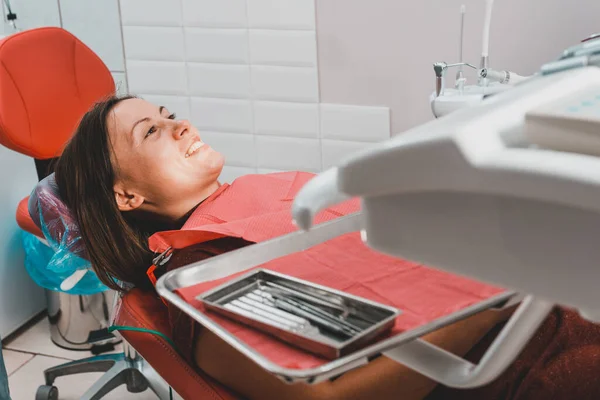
pixel 181 129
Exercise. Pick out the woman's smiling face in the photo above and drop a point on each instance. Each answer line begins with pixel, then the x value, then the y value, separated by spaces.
pixel 161 163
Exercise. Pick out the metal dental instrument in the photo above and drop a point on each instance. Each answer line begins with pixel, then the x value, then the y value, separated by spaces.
pixel 331 301
pixel 322 313
pixel 312 297
pixel 312 292
pixel 243 311
pixel 324 299
pixel 319 317
pixel 267 314
pixel 332 318
pixel 440 69
pixel 270 308
pixel 272 292
pixel 320 322
pixel 251 315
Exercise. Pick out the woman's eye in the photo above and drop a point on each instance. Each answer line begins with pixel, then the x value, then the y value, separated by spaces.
pixel 172 116
pixel 150 131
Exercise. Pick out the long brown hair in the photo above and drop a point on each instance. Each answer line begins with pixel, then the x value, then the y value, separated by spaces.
pixel 115 242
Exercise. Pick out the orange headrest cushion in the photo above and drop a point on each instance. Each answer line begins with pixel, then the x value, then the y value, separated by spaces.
pixel 48 80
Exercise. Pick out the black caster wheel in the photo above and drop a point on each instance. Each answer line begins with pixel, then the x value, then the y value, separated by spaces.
pixel 46 392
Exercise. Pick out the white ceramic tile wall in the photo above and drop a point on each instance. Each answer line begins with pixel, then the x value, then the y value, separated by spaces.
pixel 155 13
pixel 216 45
pixel 286 119
pixel 245 72
pixel 97 24
pixel 334 151
pixel 215 13
pixel 281 14
pixel 221 115
pixel 218 80
pixel 285 83
pixel 288 153
pixel 155 77
pixel 275 47
pixel 364 124
pixel 154 43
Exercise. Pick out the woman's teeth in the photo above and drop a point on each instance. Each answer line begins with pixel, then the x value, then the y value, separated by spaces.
pixel 193 148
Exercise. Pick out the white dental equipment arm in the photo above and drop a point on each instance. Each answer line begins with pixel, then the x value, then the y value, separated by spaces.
pixel 506 192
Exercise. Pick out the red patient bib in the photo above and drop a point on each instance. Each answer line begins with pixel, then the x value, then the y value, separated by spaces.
pixel 258 207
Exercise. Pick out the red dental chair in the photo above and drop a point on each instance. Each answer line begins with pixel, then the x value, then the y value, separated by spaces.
pixel 48 79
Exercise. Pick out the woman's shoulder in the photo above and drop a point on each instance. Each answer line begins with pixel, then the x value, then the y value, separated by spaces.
pixel 204 250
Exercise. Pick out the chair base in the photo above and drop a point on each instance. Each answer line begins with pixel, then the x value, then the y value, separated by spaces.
pixel 120 369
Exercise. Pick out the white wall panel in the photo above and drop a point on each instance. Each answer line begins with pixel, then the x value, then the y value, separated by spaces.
pixel 245 73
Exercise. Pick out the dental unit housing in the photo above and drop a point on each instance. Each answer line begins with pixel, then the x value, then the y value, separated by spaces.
pixel 492 193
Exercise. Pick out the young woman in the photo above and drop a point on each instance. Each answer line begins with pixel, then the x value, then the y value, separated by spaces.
pixel 133 169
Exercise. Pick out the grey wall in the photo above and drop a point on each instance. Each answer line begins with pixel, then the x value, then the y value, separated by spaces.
pixel 380 52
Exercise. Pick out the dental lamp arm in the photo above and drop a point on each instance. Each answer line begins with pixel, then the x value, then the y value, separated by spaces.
pixel 318 194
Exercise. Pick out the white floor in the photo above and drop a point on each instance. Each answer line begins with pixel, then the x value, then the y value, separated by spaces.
pixel 30 353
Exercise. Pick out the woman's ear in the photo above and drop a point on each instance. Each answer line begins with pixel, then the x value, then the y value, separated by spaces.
pixel 127 201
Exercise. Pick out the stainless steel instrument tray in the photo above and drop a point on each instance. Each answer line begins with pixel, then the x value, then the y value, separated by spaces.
pixel 246 299
pixel 255 255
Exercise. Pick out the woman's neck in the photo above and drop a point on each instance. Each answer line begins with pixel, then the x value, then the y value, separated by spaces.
pixel 153 218
pixel 195 203
pixel 172 214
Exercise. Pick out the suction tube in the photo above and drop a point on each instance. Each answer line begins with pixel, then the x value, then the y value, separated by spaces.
pixel 485 51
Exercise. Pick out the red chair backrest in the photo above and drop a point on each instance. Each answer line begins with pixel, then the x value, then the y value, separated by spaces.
pixel 48 80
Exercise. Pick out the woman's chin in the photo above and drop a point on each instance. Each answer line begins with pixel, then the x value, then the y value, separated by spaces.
pixel 216 169
pixel 217 163
pixel 209 163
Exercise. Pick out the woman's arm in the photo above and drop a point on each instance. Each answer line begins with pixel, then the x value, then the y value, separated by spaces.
pixel 381 379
